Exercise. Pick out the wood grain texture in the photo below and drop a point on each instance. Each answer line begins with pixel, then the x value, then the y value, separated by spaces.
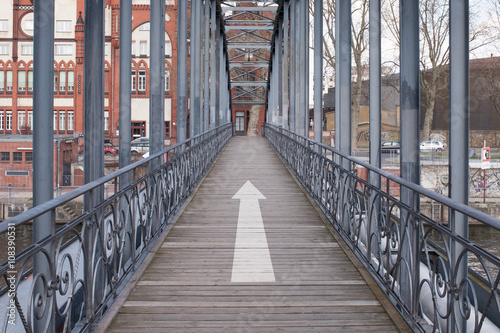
pixel 187 286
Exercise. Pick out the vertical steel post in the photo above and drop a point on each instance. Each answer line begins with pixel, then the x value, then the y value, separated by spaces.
pixel 306 51
pixel 375 89
pixel 94 136
pixel 206 70
pixel 279 49
pixel 181 71
pixel 293 73
pixel 125 120
pixel 459 140
pixel 285 63
pixel 410 153
pixel 156 79
pixel 343 76
pixel 302 69
pixel 213 61
pixel 318 71
pixel 220 76
pixel 43 141
pixel 194 107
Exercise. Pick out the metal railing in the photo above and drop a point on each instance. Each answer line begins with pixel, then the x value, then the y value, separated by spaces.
pixel 90 258
pixel 415 260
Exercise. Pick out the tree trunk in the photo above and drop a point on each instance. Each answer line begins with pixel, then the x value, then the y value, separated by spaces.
pixel 253 122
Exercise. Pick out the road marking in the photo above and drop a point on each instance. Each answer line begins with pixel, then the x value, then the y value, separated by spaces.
pixel 252 259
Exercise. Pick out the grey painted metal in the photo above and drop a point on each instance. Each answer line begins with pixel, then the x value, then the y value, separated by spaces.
pixel 206 69
pixel 375 89
pixel 181 71
pixel 157 77
pixel 343 80
pixel 125 120
pixel 300 67
pixel 378 240
pixel 459 139
pixel 213 61
pixel 285 62
pixel 217 71
pixel 119 230
pixel 292 65
pixel 222 81
pixel 43 149
pixel 410 153
pixel 279 51
pixel 318 71
pixel 306 51
pixel 195 83
pixel 93 137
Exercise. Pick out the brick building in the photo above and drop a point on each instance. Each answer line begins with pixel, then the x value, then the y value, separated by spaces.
pixel 16 73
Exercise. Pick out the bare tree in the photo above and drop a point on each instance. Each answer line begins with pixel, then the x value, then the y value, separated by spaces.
pixel 434 47
pixel 359 45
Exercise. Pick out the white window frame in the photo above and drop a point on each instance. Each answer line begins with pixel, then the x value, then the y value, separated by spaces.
pixel 64 26
pixel 30 119
pixel 55 120
pixel 167 80
pixel 2 80
pixel 29 25
pixel 145 27
pixel 133 81
pixel 8 120
pixel 62 81
pixel 70 120
pixel 4 49
pixel 133 49
pixel 63 49
pixel 141 86
pixel 71 83
pixel 106 121
pixel 9 80
pixel 168 49
pixel 4 25
pixel 21 119
pixel 30 80
pixel 27 49
pixel 56 81
pixel 1 120
pixel 143 48
pixel 62 120
pixel 21 80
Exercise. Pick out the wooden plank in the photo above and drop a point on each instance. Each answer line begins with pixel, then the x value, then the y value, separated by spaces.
pixel 187 286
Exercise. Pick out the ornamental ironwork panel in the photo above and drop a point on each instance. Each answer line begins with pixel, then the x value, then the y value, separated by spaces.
pixel 89 259
pixel 415 260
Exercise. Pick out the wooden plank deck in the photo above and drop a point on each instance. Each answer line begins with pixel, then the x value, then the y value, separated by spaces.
pixel 187 286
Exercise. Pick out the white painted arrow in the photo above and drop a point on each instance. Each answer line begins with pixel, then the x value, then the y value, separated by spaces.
pixel 252 260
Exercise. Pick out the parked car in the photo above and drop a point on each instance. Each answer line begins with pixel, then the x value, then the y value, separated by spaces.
pixel 140 145
pixel 432 145
pixel 107 150
pixel 390 146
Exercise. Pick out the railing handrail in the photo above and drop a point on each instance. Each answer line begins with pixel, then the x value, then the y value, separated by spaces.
pixel 51 204
pixel 459 207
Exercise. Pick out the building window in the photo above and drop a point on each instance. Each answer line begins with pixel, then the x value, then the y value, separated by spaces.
pixel 71 81
pixel 30 119
pixel 30 81
pixel 64 26
pixel 106 49
pixel 28 156
pixel 142 81
pixel 8 120
pixel 9 81
pixel 55 120
pixel 138 129
pixel 64 49
pixel 5 156
pixel 70 120
pixel 167 81
pixel 27 49
pixel 55 81
pixel 133 48
pixel 4 25
pixel 21 119
pixel 62 120
pixel 4 49
pixel 62 81
pixel 17 156
pixel 143 49
pixel 168 49
pixel 133 81
pixel 106 121
pixel 1 120
pixel 21 81
pixel 167 129
pixel 2 82
pixel 28 25
pixel 145 27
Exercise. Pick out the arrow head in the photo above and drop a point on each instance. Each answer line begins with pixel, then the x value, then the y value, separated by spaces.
pixel 248 191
